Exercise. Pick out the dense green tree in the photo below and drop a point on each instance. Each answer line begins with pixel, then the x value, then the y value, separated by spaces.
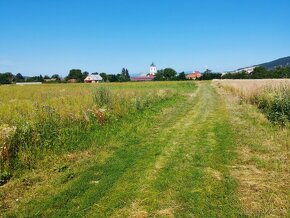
pixel 6 78
pixel 260 73
pixel 55 76
pixel 124 76
pixel 159 76
pixel 104 76
pixel 169 74
pixel 209 75
pixel 112 78
pixel 35 79
pixel 181 76
pixel 19 78
pixel 75 74
pixel 85 74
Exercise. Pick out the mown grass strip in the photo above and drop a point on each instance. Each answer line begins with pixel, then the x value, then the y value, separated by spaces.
pixel 97 180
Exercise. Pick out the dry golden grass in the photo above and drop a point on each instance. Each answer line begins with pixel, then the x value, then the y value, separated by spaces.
pixel 250 87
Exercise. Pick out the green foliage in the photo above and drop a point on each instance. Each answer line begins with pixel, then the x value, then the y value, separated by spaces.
pixel 169 74
pixel 4 177
pixel 275 103
pixel 181 76
pixel 166 74
pixel 55 76
pixel 103 96
pixel 104 76
pixel 6 78
pixel 208 75
pixel 75 74
pixel 19 78
pixel 124 76
pixel 260 73
pixel 35 79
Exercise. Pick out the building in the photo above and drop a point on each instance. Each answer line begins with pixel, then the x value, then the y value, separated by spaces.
pixel 149 77
pixel 247 69
pixel 93 79
pixel 153 69
pixel 194 75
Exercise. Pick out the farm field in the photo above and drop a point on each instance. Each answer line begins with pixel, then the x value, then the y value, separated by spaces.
pixel 153 149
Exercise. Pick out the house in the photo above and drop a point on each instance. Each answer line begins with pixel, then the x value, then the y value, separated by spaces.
pixel 194 75
pixel 93 78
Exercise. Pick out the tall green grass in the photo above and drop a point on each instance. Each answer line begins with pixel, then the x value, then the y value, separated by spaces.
pixel 274 102
pixel 60 118
pixel 272 97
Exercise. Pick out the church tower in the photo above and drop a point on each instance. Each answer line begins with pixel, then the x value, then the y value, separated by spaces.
pixel 153 69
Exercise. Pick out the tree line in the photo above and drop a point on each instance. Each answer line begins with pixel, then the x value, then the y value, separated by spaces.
pixel 260 73
pixel 167 74
pixel 75 75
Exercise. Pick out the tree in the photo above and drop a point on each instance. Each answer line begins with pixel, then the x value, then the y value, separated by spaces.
pixel 169 74
pixel 6 78
pixel 124 76
pixel 181 76
pixel 55 76
pixel 159 76
pixel 75 74
pixel 209 75
pixel 19 78
pixel 104 76
pixel 112 78
pixel 85 74
pixel 35 79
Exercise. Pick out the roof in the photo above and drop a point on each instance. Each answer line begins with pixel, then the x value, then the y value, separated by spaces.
pixel 94 78
pixel 143 78
pixel 153 65
pixel 193 75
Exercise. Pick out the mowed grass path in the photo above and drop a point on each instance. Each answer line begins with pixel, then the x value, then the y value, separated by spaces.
pixel 177 167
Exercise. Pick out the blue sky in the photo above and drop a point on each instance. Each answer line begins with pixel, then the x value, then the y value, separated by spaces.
pixel 54 36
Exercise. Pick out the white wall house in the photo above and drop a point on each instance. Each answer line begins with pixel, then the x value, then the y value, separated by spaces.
pixel 153 69
pixel 93 79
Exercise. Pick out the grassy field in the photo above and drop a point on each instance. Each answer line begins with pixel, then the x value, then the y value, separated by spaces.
pixel 156 149
pixel 271 96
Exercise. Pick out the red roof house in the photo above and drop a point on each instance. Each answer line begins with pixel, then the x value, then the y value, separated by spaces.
pixel 194 75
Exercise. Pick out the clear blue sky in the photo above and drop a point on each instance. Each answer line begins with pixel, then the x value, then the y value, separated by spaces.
pixel 53 36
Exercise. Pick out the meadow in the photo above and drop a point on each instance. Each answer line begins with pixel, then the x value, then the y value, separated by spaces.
pixel 36 120
pixel 271 96
pixel 145 149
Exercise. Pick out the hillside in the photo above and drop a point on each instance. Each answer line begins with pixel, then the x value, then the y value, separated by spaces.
pixel 281 62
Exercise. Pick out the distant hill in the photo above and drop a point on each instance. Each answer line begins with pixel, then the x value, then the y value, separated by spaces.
pixel 282 62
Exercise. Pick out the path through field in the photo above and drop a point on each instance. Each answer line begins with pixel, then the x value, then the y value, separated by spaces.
pixel 180 167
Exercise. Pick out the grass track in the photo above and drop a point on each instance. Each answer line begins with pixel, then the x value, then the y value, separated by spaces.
pixel 175 164
pixel 177 167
